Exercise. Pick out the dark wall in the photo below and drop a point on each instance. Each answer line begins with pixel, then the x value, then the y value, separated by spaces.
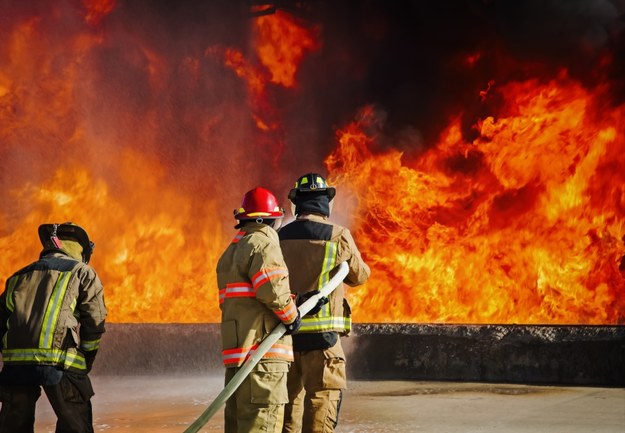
pixel 575 355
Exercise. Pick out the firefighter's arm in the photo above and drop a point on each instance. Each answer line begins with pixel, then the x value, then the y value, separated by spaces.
pixel 359 271
pixel 92 310
pixel 270 278
pixel 4 316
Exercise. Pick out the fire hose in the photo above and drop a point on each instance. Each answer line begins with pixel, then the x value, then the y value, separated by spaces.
pixel 263 347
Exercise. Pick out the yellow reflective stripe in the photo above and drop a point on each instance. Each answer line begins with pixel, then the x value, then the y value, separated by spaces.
pixel 10 301
pixel 52 311
pixel 325 323
pixel 89 345
pixel 329 263
pixel 44 356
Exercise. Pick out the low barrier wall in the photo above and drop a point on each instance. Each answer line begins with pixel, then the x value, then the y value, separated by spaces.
pixel 575 355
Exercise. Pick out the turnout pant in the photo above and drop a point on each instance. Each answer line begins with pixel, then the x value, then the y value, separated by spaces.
pixel 315 383
pixel 70 399
pixel 258 403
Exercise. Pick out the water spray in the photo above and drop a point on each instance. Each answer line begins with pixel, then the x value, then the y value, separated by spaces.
pixel 263 347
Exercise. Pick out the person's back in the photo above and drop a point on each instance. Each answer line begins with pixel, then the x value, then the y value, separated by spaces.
pixel 254 297
pixel 52 315
pixel 313 248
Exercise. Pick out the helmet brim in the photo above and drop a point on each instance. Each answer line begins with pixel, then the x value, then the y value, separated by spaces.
pixel 254 215
pixel 67 230
pixel 330 192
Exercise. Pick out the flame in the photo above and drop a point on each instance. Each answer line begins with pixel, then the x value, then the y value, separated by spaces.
pixel 97 10
pixel 522 225
pixel 153 256
pixel 281 44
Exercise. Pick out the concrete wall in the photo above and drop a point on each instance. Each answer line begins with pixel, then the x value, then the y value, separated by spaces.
pixel 576 355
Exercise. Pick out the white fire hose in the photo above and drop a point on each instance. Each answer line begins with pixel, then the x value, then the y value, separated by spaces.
pixel 263 347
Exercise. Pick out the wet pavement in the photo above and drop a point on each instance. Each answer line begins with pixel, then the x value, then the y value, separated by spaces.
pixel 138 404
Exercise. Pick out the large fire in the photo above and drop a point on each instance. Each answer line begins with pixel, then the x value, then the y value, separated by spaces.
pixel 523 224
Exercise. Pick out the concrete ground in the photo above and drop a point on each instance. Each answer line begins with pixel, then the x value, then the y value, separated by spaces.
pixel 138 404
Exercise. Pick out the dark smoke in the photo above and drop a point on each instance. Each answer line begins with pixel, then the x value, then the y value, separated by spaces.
pixel 408 57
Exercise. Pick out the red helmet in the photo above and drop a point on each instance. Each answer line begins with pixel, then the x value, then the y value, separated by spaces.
pixel 259 203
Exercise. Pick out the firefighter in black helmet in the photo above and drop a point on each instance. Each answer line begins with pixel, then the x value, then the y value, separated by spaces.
pixel 52 315
pixel 313 248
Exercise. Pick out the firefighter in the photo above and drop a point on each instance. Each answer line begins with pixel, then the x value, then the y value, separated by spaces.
pixel 254 297
pixel 313 248
pixel 52 315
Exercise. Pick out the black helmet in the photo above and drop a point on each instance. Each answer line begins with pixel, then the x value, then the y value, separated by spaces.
pixel 53 232
pixel 311 182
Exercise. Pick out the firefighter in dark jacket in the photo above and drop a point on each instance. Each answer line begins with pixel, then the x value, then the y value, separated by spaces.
pixel 52 315
pixel 313 249
pixel 254 297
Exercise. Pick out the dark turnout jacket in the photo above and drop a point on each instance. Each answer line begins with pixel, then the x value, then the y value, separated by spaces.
pixel 52 313
pixel 313 248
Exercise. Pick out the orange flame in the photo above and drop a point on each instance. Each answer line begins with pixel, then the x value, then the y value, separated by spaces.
pixel 523 225
pixel 281 44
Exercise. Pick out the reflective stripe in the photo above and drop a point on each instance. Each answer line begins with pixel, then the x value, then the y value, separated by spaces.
pixel 236 290
pixel 325 323
pixel 9 299
pixel 52 311
pixel 323 320
pixel 264 275
pixel 89 345
pixel 239 355
pixel 238 237
pixel 44 356
pixel 288 313
pixel 329 263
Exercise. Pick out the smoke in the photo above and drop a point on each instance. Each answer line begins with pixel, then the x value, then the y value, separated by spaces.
pixel 150 76
pixel 426 61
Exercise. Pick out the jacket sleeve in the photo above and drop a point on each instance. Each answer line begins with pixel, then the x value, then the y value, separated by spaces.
pixel 92 311
pixel 359 271
pixel 270 279
pixel 4 316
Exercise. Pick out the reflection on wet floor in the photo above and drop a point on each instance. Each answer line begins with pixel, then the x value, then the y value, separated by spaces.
pixel 138 404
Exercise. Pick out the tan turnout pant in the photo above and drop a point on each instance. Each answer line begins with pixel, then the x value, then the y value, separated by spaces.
pixel 258 403
pixel 315 383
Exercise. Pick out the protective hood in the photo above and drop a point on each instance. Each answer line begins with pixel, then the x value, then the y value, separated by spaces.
pixel 312 202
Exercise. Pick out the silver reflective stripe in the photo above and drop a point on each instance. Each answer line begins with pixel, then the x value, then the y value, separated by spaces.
pixel 52 311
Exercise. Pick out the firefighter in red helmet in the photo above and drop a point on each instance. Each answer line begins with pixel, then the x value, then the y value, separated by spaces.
pixel 313 249
pixel 52 315
pixel 254 297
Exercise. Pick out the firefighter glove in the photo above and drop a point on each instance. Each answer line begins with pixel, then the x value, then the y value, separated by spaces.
pixel 301 298
pixel 292 327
